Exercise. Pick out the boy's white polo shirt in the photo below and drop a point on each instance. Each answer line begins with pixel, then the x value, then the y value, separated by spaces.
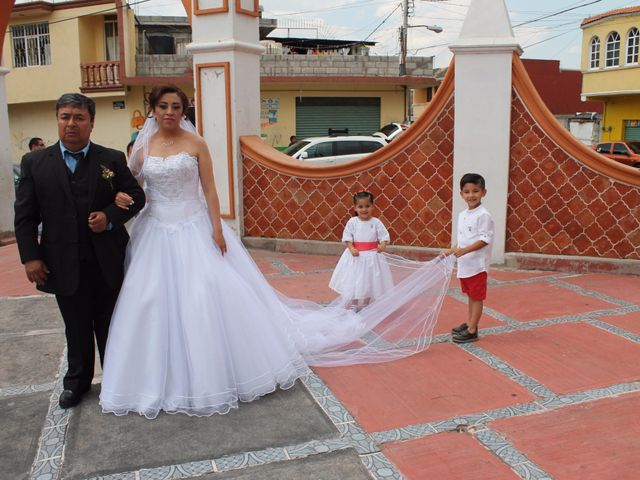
pixel 474 225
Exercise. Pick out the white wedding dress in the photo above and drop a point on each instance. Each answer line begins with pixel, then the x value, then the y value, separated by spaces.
pixel 196 332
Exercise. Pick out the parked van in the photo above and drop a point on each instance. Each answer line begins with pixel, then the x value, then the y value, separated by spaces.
pixel 334 150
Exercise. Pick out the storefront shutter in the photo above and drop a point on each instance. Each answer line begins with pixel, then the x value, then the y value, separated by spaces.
pixel 316 115
pixel 632 130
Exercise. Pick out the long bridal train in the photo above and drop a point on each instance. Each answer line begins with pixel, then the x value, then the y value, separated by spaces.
pixel 196 332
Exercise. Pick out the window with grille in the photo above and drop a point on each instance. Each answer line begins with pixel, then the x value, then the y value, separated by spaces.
pixel 633 41
pixel 594 53
pixel 613 50
pixel 31 46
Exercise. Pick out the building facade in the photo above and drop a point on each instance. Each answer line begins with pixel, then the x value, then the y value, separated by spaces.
pixel 88 46
pixel 100 48
pixel 611 70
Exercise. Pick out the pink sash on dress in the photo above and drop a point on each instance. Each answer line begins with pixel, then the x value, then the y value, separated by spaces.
pixel 365 246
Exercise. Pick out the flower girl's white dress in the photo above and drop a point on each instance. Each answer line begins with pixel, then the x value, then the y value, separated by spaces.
pixel 366 276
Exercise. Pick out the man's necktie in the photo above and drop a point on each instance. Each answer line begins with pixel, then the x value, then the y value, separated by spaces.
pixel 72 159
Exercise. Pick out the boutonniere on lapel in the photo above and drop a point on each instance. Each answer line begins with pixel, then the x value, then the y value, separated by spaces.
pixel 107 175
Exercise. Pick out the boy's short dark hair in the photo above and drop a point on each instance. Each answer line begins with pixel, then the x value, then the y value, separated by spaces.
pixel 474 178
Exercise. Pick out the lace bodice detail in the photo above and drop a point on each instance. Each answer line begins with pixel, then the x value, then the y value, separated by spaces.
pixel 172 186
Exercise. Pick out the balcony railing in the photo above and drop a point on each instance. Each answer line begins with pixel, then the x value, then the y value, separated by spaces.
pixel 100 76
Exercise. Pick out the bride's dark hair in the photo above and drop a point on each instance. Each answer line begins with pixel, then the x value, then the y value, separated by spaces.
pixel 159 90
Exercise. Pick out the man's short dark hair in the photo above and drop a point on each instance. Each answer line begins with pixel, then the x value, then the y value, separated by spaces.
pixel 34 141
pixel 474 178
pixel 77 100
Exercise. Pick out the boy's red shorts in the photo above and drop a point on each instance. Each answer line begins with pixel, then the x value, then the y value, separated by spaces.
pixel 475 287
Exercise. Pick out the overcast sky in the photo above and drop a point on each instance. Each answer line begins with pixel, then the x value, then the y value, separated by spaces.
pixel 556 37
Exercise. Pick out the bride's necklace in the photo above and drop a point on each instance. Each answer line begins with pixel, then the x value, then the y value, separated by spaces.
pixel 167 144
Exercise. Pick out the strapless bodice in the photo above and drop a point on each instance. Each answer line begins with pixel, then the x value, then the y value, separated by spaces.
pixel 172 186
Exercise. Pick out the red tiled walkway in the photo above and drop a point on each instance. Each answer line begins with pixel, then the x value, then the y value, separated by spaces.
pixel 13 281
pixel 590 441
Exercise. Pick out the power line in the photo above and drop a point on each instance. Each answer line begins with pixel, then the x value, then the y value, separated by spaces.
pixel 383 21
pixel 550 38
pixel 556 13
pixel 416 50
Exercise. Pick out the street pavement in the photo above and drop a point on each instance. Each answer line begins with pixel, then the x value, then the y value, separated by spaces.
pixel 550 391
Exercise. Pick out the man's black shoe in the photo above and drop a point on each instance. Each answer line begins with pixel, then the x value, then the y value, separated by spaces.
pixel 459 329
pixel 465 337
pixel 69 398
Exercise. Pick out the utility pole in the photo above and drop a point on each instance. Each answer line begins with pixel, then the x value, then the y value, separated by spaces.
pixel 403 59
pixel 403 37
pixel 408 8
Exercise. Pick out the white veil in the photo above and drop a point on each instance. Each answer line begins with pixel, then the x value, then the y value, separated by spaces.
pixel 140 149
pixel 397 324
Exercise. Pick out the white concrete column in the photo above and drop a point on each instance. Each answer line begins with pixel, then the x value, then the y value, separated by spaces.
pixel 7 193
pixel 482 126
pixel 226 66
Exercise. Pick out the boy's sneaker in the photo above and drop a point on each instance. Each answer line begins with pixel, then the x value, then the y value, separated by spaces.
pixel 465 337
pixel 459 329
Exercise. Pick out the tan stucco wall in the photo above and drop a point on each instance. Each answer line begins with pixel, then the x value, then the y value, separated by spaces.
pixel 91 31
pixel 31 120
pixel 72 42
pixel 112 127
pixel 277 135
pixel 27 120
pixel 130 42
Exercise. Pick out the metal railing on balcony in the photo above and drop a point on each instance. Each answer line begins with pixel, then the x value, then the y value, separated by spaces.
pixel 99 76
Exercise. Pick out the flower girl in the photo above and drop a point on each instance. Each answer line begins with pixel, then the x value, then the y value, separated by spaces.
pixel 362 274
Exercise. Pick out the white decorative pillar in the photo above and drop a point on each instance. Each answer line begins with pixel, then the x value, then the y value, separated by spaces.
pixel 483 63
pixel 226 67
pixel 7 194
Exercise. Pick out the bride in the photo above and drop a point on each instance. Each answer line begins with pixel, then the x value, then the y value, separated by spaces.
pixel 197 328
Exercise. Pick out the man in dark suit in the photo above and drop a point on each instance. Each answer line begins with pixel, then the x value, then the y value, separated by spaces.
pixel 70 188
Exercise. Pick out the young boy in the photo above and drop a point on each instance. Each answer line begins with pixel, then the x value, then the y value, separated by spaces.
pixel 473 250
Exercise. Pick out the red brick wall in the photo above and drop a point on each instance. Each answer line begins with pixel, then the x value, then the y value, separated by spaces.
pixel 412 190
pixel 558 206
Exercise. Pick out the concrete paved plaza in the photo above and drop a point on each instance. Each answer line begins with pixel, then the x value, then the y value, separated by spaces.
pixel 550 391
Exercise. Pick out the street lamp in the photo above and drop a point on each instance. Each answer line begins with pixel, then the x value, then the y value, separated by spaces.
pixel 433 28
pixel 403 39
pixel 403 58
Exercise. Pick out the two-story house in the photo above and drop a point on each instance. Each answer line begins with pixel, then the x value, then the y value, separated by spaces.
pixel 54 48
pixel 611 70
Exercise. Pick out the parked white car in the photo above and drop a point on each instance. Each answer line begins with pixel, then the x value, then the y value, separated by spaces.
pixel 390 131
pixel 334 150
